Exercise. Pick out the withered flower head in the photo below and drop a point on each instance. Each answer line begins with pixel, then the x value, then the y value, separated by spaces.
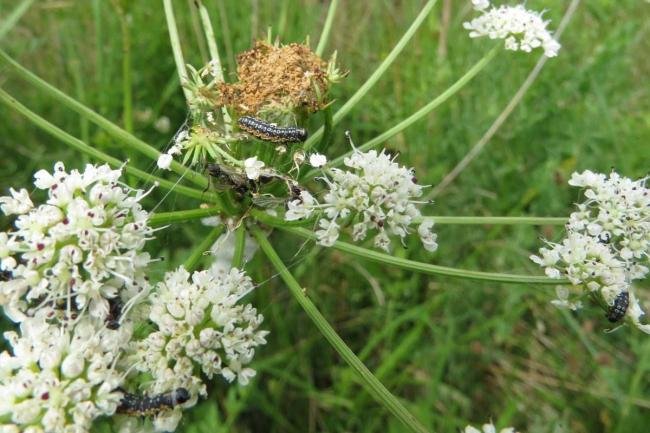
pixel 283 78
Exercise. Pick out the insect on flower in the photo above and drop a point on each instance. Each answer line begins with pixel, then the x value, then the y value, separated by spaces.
pixel 269 132
pixel 228 178
pixel 115 306
pixel 138 405
pixel 617 311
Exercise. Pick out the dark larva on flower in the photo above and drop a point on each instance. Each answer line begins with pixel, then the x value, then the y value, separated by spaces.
pixel 141 405
pixel 114 312
pixel 268 132
pixel 617 311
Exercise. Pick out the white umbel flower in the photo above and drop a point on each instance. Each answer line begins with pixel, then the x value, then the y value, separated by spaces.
pixel 607 243
pixel 201 327
pixel 60 379
pixel 79 248
pixel 376 195
pixel 520 28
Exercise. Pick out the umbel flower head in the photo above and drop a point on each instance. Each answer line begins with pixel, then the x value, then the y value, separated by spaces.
pixel 607 243
pixel 520 28
pixel 78 249
pixel 59 378
pixel 201 328
pixel 376 194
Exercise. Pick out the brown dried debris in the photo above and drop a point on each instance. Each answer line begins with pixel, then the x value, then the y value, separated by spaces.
pixel 289 76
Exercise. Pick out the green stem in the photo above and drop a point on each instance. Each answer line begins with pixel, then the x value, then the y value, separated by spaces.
pixel 14 16
pixel 471 220
pixel 450 220
pixel 435 103
pixel 374 386
pixel 120 135
pixel 214 54
pixel 176 47
pixel 192 261
pixel 265 218
pixel 372 80
pixel 425 268
pixel 164 218
pixel 327 135
pixel 240 243
pixel 324 37
pixel 95 153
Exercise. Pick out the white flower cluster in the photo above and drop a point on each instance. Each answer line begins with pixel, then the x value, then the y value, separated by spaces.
pixel 607 242
pixel 377 194
pixel 521 29
pixel 73 278
pixel 59 379
pixel 200 326
pixel 488 428
pixel 76 251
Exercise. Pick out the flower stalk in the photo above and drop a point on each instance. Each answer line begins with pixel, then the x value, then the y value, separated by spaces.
pixel 374 386
pixel 98 154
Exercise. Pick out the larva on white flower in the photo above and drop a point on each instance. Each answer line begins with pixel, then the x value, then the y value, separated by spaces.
pixel 618 309
pixel 115 306
pixel 138 405
pixel 269 132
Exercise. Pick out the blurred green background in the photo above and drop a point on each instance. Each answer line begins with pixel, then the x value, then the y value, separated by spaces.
pixel 456 351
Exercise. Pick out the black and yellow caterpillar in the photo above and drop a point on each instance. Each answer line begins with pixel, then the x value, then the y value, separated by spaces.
pixel 142 405
pixel 269 132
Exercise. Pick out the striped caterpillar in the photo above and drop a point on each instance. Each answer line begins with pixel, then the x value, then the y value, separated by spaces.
pixel 139 405
pixel 269 132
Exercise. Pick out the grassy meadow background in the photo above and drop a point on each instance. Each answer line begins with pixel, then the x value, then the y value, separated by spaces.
pixel 456 351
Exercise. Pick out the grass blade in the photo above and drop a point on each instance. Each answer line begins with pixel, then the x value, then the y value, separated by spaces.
pixel 14 17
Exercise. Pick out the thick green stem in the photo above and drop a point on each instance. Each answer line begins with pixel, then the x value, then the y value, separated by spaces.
pixel 240 244
pixel 435 103
pixel 373 385
pixel 372 80
pixel 426 268
pixel 95 153
pixel 164 218
pixel 176 47
pixel 449 220
pixel 472 220
pixel 193 260
pixel 121 136
pixel 324 37
pixel 215 58
pixel 14 17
